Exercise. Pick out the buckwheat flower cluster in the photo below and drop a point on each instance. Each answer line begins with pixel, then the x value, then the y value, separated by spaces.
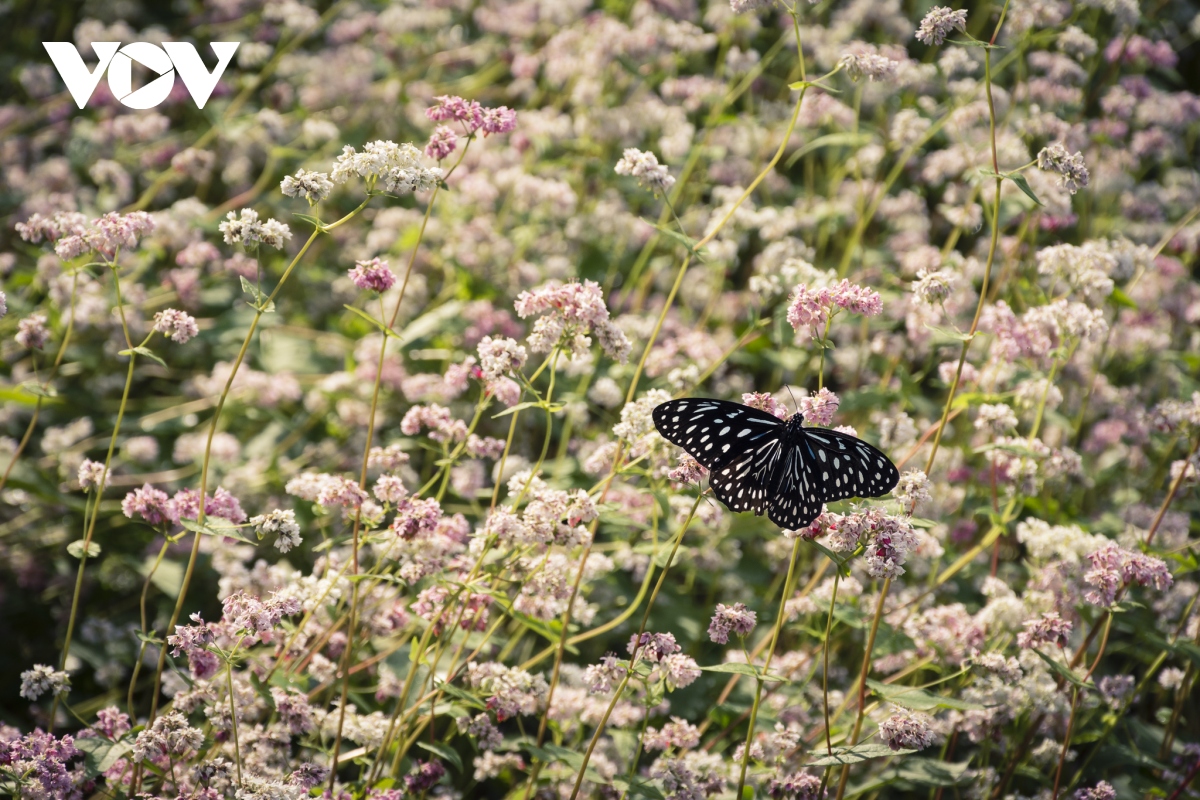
pixel 441 424
pixel 472 115
pixel 796 786
pixel 938 24
pixel 283 524
pixel 1049 628
pixel 373 275
pixel 247 230
pixel 687 470
pixel 326 490
pixel 678 733
pixel 41 680
pixel 32 333
pixel 389 458
pixel 819 408
pixel 442 142
pixel 52 228
pixel 735 619
pixel 106 235
pixel 912 490
pixel 397 165
pixel 151 504
pixel 510 691
pixel 90 474
pixel 1101 791
pixel 644 166
pixel 893 541
pixel 765 401
pixel 256 618
pixel 423 776
pixel 996 418
pixel 1085 268
pixel 637 417
pixel 192 641
pixel 415 515
pixel 907 730
pixel 812 307
pixel 178 326
pixel 932 287
pixel 742 6
pixel 695 774
pixel 169 736
pixel 1113 565
pixel 872 66
pixel 500 356
pixel 40 762
pixel 671 666
pixel 571 311
pixel 312 186
pixel 1072 172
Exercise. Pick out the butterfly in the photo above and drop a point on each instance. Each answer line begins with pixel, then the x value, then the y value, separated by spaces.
pixel 758 462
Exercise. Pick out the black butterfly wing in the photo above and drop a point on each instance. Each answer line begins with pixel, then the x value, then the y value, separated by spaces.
pixel 821 466
pixel 795 497
pixel 715 431
pixel 743 482
pixel 848 467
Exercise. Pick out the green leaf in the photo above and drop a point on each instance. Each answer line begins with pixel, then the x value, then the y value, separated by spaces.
pixel 99 754
pixel 1119 298
pixel 735 668
pixel 216 526
pixel 261 303
pixel 443 751
pixel 688 243
pixel 916 699
pixel 638 787
pixel 951 333
pixel 75 548
pixel 1023 185
pixel 836 558
pixel 518 407
pixel 144 351
pixel 377 323
pixel 167 578
pixel 430 321
pixel 853 755
pixel 1063 672
pixel 316 223
pixel 805 84
pixel 37 390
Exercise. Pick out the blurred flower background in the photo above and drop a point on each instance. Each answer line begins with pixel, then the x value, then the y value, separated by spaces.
pixel 327 450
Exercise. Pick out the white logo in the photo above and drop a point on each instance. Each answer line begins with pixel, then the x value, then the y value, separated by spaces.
pixel 164 61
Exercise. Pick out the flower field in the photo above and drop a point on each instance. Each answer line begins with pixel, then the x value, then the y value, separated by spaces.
pixel 330 463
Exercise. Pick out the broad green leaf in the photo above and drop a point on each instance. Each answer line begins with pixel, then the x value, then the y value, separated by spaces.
pixel 516 408
pixel 951 333
pixel 688 243
pixel 37 390
pixel 918 699
pixel 836 558
pixel 143 351
pixel 638 787
pixel 216 526
pixel 377 323
pixel 1023 185
pixel 1119 298
pixel 430 321
pixel 853 755
pixel 261 303
pixel 443 751
pixel 99 754
pixel 75 548
pixel 735 668
pixel 1064 672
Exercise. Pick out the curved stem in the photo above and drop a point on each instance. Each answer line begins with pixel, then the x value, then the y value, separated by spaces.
pixel 779 618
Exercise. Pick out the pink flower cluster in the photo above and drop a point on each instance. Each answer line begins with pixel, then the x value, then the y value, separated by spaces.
pixel 819 408
pixel 1049 628
pixel 178 326
pixel 735 619
pixel 372 275
pixel 441 424
pixel 575 310
pixel 765 401
pixel 472 115
pixel 1113 566
pixel 812 308
pixel 155 507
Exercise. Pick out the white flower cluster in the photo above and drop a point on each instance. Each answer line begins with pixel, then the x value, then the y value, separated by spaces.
pixel 397 165
pixel 247 230
pixel 278 522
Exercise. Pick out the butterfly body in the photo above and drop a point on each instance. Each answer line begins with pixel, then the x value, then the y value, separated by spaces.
pixel 758 462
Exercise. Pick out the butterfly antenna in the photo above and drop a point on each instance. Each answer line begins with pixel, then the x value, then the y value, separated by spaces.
pixel 795 405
